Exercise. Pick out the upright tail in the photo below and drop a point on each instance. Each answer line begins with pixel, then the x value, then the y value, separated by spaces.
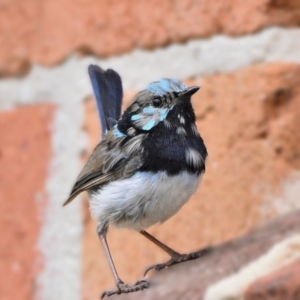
pixel 107 86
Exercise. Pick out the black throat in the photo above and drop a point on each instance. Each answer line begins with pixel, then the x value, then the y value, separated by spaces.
pixel 166 146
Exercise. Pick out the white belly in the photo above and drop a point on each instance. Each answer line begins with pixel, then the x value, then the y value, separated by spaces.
pixel 143 199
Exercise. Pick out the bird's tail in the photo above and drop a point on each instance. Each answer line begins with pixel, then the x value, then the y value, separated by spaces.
pixel 107 86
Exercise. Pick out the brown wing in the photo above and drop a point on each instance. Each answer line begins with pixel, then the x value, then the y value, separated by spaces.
pixel 109 162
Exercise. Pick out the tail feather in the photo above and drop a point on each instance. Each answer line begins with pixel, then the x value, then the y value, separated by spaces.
pixel 107 86
pixel 116 90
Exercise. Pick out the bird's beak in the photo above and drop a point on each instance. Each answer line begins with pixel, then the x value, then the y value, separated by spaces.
pixel 189 91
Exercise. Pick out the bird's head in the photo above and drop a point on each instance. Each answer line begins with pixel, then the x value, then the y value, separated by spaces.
pixel 167 100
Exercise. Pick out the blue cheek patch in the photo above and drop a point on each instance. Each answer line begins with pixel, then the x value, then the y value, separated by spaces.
pixel 155 115
pixel 149 125
pixel 163 114
pixel 152 111
pixel 136 117
pixel 149 110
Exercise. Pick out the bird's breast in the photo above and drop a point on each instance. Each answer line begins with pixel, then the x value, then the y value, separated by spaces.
pixel 144 199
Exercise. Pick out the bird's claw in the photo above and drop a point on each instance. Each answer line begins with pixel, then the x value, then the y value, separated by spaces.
pixel 125 288
pixel 178 258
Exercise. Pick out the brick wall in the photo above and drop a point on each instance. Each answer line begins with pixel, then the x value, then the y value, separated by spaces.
pixel 244 55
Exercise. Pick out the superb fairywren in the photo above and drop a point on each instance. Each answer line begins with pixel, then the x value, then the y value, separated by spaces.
pixel 148 164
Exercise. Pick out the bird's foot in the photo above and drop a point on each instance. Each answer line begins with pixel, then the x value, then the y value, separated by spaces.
pixel 123 288
pixel 177 258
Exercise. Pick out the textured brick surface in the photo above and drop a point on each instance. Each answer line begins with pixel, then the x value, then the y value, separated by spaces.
pixel 249 120
pixel 283 284
pixel 49 31
pixel 191 280
pixel 25 151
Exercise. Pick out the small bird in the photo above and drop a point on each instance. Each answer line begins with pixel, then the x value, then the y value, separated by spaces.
pixel 148 164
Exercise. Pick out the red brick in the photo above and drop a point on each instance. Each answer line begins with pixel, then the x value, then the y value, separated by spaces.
pixel 48 32
pixel 283 284
pixel 25 151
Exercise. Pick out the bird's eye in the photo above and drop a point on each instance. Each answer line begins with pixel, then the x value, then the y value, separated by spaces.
pixel 156 102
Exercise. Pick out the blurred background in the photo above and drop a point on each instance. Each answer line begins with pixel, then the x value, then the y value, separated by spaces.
pixel 245 55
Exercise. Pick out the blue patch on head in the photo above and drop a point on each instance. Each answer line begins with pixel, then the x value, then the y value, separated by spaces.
pixel 135 117
pixel 149 125
pixel 166 85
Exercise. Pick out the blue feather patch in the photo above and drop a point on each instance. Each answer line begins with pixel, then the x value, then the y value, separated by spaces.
pixel 149 110
pixel 149 125
pixel 135 117
pixel 117 133
pixel 163 114
pixel 152 111
pixel 166 85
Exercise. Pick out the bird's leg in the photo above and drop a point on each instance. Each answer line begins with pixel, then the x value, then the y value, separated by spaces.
pixel 176 257
pixel 121 286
